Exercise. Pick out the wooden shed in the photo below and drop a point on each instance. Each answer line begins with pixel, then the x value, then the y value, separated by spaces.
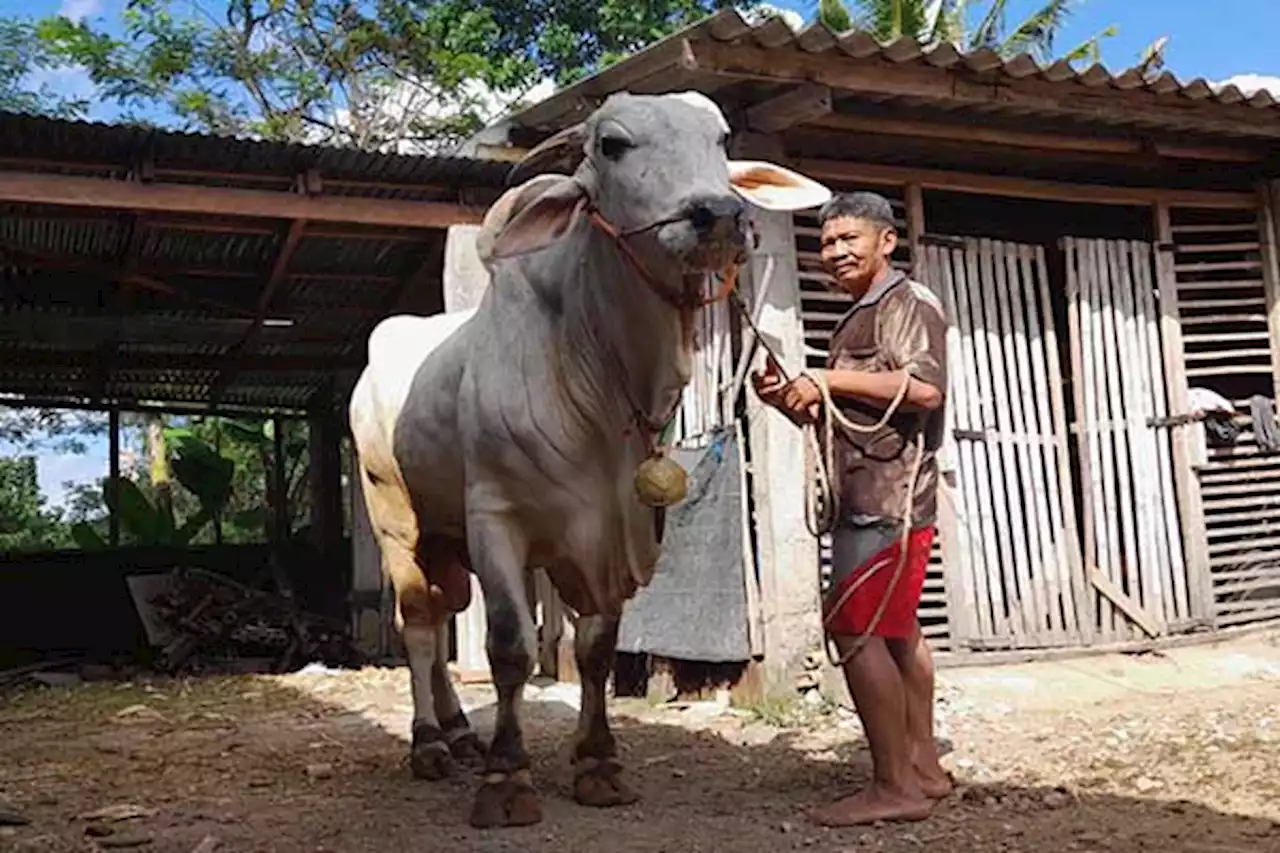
pixel 1105 243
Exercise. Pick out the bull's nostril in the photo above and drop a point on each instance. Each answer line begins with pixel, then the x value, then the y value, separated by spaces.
pixel 701 217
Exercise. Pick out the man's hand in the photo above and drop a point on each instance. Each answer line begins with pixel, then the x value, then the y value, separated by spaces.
pixel 797 400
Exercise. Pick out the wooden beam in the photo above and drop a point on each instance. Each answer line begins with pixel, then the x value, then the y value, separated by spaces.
pixel 987 135
pixel 279 272
pixel 961 87
pixel 963 182
pixel 796 106
pixel 100 193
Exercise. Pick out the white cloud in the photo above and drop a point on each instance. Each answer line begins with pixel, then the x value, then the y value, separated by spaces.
pixel 1250 84
pixel 55 470
pixel 78 10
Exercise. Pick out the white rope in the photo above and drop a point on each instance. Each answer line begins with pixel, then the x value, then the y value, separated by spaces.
pixel 821 488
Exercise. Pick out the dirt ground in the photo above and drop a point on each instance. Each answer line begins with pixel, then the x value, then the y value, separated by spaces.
pixel 1162 752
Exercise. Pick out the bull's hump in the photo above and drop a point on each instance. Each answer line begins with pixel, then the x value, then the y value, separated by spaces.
pixel 398 345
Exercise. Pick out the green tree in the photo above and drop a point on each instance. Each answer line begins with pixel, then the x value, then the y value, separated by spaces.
pixel 971 25
pixel 26 524
pixel 374 74
pixel 23 56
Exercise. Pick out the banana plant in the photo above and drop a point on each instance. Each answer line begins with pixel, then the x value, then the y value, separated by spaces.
pixel 197 467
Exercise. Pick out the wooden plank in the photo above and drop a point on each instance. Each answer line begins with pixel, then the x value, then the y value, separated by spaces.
pixel 1019 389
pixel 1122 602
pixel 990 551
pixel 1124 559
pixel 103 194
pixel 1169 542
pixel 1191 510
pixel 1005 490
pixel 1077 331
pixel 1075 605
pixel 798 105
pixel 958 543
pixel 996 185
pixel 1038 387
pixel 1145 467
pixel 1081 281
pixel 1268 225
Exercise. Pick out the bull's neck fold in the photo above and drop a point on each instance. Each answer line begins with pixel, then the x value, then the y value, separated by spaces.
pixel 624 344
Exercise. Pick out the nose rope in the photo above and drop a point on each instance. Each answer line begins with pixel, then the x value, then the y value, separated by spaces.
pixel 649 426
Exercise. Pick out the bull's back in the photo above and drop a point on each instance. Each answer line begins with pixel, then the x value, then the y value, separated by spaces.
pixel 403 409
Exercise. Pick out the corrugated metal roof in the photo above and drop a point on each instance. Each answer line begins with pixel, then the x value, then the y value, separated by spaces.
pixel 104 149
pixel 774 34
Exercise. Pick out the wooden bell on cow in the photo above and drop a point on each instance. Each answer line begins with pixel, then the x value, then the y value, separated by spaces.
pixel 661 481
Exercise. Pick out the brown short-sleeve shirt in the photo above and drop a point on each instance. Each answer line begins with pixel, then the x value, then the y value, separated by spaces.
pixel 898 324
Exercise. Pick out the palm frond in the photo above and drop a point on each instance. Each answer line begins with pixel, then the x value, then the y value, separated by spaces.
pixel 1036 34
pixel 990 29
pixel 835 15
pixel 1153 57
pixel 948 22
pixel 1090 50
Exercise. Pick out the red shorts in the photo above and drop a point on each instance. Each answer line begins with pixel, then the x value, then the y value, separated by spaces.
pixel 855 615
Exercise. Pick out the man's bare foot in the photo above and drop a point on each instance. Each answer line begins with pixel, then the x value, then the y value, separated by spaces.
pixel 877 803
pixel 935 783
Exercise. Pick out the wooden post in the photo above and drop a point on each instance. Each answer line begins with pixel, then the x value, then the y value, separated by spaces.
pixel 1268 242
pixel 367 618
pixel 326 481
pixel 789 566
pixel 279 489
pixel 1195 541
pixel 913 196
pixel 113 468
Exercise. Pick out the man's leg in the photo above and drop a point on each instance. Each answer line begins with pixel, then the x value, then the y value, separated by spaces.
pixel 869 556
pixel 915 663
pixel 878 692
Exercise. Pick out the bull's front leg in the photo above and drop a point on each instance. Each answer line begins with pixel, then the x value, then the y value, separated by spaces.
pixel 498 549
pixel 597 773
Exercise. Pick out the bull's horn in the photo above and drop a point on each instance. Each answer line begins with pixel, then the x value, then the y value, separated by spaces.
pixel 548 152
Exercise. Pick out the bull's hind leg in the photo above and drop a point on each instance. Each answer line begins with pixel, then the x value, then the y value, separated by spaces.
pixel 597 780
pixel 463 742
pixel 498 551
pixel 420 616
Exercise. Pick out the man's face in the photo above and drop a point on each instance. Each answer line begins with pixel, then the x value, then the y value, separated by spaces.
pixel 856 250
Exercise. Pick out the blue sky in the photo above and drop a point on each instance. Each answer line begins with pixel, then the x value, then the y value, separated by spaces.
pixel 1217 41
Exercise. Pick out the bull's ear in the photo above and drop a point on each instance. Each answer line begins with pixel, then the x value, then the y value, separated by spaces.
pixel 541 221
pixel 775 187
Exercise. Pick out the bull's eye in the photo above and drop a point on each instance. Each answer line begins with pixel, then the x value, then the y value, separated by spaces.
pixel 614 147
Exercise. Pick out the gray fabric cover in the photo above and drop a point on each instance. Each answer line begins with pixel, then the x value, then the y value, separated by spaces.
pixel 696 607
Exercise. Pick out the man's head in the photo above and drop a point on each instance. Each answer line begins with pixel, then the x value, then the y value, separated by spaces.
pixel 858 238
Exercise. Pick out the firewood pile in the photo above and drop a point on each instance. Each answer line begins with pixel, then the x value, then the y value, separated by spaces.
pixel 206 622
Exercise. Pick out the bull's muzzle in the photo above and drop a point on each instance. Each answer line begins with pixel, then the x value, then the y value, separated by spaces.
pixel 717 219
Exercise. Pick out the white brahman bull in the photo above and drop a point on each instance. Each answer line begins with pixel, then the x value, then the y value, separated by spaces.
pixel 508 436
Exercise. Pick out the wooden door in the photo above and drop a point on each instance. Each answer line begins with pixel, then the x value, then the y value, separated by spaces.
pixel 1132 534
pixel 1017 553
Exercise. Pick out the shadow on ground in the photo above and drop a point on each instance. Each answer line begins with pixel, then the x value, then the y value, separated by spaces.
pixel 264 764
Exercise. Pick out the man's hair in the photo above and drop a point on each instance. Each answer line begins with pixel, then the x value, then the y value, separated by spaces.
pixel 859 205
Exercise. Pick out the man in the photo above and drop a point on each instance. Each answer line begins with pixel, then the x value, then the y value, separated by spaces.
pixel 894 333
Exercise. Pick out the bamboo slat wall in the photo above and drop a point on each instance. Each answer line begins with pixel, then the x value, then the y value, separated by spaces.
pixel 1221 272
pixel 1132 532
pixel 822 308
pixel 1016 557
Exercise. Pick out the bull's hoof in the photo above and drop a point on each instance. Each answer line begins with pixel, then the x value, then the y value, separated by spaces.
pixel 506 801
pixel 468 750
pixel 430 757
pixel 599 784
